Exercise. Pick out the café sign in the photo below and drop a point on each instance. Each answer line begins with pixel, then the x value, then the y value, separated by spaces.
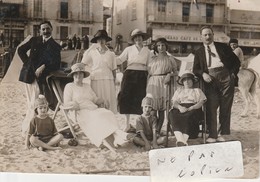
pixel 249 42
pixel 186 36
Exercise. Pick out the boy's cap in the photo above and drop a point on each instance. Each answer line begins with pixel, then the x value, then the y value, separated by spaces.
pixel 147 100
pixel 40 101
pixel 233 41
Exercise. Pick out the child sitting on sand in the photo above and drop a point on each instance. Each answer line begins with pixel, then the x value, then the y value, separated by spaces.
pixel 42 132
pixel 146 127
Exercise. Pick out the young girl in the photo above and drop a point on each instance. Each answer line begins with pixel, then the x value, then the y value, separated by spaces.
pixel 146 127
pixel 103 69
pixel 42 131
pixel 159 67
pixel 186 112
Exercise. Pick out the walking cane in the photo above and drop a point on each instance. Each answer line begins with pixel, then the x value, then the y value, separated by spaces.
pixel 168 105
pixel 204 126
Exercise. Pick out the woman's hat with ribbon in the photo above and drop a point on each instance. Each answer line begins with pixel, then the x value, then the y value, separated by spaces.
pixel 101 34
pixel 137 32
pixel 78 67
pixel 187 74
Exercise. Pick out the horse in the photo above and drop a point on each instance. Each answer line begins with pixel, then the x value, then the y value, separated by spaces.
pixel 248 81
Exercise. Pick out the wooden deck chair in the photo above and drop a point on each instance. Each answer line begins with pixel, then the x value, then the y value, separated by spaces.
pixel 57 81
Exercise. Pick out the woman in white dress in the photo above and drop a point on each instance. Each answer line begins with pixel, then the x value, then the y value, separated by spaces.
pixel 97 123
pixel 103 69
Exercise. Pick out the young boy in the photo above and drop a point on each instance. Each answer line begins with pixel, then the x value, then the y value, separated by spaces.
pixel 146 127
pixel 42 132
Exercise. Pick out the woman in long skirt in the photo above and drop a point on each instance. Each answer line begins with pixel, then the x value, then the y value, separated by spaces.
pixel 103 69
pixel 133 86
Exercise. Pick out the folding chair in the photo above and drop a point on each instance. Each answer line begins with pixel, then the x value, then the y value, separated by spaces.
pixel 57 81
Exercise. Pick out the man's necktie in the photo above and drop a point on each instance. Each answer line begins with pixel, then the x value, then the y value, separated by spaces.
pixel 210 54
pixel 43 41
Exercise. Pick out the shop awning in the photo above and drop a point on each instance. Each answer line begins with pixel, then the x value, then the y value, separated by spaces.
pixel 249 42
pixel 186 35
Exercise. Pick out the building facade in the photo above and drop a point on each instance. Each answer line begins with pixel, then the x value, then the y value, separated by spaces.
pixel 68 17
pixel 245 26
pixel 178 21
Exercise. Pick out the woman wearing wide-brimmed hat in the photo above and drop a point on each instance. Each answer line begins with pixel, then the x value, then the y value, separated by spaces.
pixel 161 67
pixel 103 69
pixel 96 122
pixel 186 109
pixel 133 86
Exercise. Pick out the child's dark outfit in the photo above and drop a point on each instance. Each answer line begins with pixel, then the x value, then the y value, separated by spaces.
pixel 45 128
pixel 147 125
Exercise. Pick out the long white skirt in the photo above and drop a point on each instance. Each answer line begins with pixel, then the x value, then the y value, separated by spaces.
pixel 97 124
pixel 106 90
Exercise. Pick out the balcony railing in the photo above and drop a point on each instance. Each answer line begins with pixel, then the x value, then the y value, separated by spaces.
pixel 185 19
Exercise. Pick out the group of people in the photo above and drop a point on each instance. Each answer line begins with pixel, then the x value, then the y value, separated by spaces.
pixel 75 43
pixel 143 90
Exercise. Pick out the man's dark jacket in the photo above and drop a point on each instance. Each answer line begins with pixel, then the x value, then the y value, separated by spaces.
pixel 47 53
pixel 227 57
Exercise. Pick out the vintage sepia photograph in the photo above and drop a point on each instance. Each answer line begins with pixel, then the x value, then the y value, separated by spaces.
pixel 89 87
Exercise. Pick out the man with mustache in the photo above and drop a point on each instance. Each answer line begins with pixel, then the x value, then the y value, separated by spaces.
pixel 44 57
pixel 217 65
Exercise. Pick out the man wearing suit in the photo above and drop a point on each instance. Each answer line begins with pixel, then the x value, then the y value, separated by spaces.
pixel 43 58
pixel 217 65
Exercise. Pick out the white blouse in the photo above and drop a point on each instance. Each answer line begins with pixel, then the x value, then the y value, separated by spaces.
pixel 132 55
pixel 101 65
pixel 193 95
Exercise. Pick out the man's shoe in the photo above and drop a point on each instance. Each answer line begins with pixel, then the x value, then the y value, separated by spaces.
pixel 221 139
pixel 211 140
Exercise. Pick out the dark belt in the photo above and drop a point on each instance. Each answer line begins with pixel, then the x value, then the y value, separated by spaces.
pixel 216 69
pixel 163 74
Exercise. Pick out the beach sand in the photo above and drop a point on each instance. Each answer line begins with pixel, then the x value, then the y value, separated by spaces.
pixel 88 159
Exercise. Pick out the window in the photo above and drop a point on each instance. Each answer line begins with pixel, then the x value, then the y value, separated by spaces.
pixel 37 8
pixel 185 12
pixel 134 11
pixel 162 6
pixel 234 34
pixel 85 31
pixel 209 13
pixel 85 9
pixel 255 35
pixel 63 33
pixel 64 7
pixel 36 31
pixel 245 35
